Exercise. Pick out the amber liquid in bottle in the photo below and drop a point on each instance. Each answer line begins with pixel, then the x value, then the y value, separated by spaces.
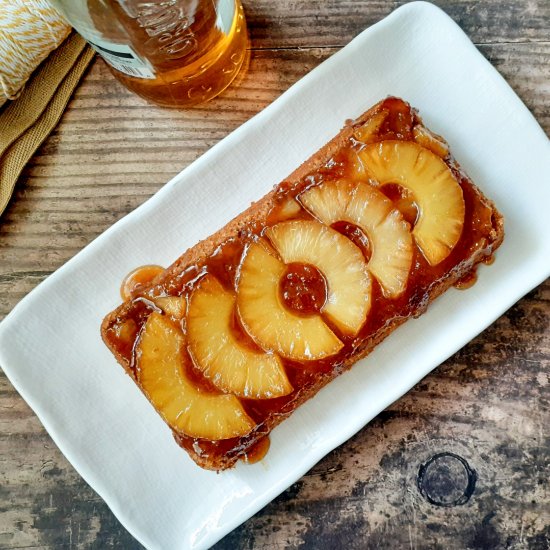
pixel 191 50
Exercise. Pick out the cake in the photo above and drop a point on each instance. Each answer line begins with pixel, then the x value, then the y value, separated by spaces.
pixel 253 321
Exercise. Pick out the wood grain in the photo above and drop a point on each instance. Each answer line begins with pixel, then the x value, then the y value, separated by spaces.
pixel 488 404
pixel 300 23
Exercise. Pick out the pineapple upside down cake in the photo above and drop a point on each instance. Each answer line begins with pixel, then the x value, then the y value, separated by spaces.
pixel 244 327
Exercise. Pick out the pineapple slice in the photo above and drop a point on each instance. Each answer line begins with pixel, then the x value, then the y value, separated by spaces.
pixel 288 209
pixel 436 144
pixel 356 170
pixel 371 127
pixel 436 192
pixel 186 409
pixel 227 363
pixel 174 306
pixel 388 233
pixel 267 320
pixel 338 259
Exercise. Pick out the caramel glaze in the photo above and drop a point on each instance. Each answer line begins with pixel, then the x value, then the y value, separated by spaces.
pixel 257 451
pixel 468 281
pixel 383 316
pixel 303 289
pixel 138 278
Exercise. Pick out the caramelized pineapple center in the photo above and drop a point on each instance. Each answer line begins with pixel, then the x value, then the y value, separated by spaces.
pixel 403 200
pixel 303 288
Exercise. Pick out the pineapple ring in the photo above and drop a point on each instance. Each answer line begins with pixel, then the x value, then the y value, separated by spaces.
pixel 338 259
pixel 369 129
pixel 436 192
pixel 228 364
pixel 174 306
pixel 184 407
pixel 388 233
pixel 436 144
pixel 265 317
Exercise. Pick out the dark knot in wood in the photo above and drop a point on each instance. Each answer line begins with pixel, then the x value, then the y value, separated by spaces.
pixel 446 480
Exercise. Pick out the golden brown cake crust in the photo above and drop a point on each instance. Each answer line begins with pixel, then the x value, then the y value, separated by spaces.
pixel 256 215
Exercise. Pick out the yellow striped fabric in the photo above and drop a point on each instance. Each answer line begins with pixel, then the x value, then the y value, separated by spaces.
pixel 29 31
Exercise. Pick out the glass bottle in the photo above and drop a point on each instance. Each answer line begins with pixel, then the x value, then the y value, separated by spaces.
pixel 175 53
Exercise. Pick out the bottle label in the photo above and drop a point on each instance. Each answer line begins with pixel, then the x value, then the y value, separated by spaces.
pixel 123 58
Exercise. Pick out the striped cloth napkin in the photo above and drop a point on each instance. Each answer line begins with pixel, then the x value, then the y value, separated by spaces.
pixel 33 34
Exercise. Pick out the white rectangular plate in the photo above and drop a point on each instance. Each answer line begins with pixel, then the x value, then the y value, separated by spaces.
pixel 50 345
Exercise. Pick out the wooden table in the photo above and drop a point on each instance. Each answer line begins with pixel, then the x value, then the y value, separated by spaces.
pixel 478 423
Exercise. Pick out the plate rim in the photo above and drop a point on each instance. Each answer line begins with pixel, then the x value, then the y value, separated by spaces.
pixel 90 476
